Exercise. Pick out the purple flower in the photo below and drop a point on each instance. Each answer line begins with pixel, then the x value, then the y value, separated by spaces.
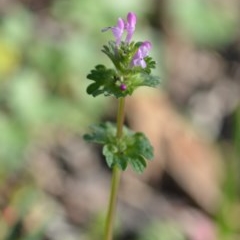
pixel 142 52
pixel 130 26
pixel 118 30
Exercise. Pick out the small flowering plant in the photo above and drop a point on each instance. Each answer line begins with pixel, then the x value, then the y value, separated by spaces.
pixel 132 69
pixel 132 64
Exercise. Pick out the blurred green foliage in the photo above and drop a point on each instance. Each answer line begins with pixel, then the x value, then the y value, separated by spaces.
pixel 207 23
pixel 162 231
pixel 228 215
pixel 41 83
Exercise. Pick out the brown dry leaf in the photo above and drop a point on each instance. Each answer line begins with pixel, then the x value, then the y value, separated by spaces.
pixel 187 156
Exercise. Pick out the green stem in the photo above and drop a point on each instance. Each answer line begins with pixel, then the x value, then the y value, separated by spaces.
pixel 115 177
pixel 120 116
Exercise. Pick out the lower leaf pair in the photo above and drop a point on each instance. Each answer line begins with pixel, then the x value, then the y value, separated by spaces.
pixel 132 148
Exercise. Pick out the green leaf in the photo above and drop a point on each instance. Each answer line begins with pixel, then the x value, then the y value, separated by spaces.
pixel 138 164
pixel 106 81
pixel 102 133
pixel 143 146
pixel 138 150
pixel 108 152
pixel 144 79
pixel 133 148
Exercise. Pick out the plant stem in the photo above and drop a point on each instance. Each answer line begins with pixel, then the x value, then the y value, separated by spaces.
pixel 120 116
pixel 112 204
pixel 115 177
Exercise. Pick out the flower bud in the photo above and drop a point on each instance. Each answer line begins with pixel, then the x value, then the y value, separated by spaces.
pixel 123 87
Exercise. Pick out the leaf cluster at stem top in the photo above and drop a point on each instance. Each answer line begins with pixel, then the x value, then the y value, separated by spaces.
pixel 107 81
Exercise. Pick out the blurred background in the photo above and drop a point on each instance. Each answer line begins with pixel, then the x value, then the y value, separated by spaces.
pixel 54 186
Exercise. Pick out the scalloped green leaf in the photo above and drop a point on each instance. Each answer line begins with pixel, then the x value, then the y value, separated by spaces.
pixel 108 152
pixel 113 157
pixel 106 81
pixel 143 146
pixel 132 148
pixel 102 133
pixel 138 164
